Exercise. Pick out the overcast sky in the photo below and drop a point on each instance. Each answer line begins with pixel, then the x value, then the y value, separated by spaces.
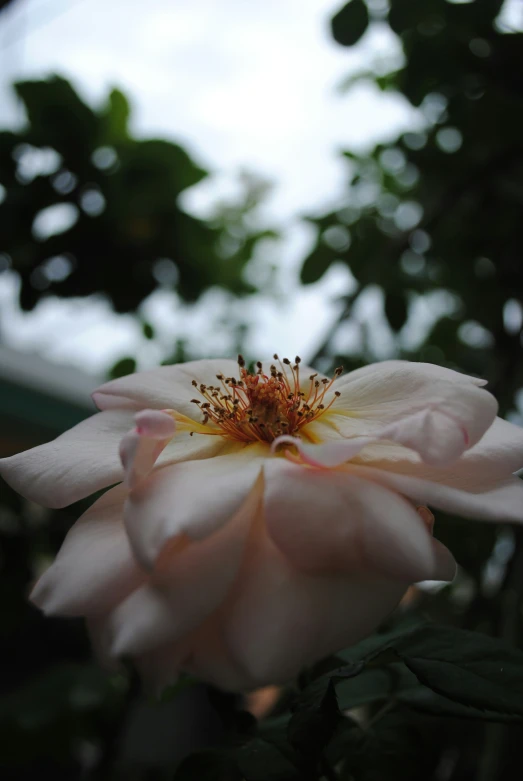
pixel 241 85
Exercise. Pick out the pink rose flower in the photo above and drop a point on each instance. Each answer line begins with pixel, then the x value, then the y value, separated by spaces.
pixel 259 521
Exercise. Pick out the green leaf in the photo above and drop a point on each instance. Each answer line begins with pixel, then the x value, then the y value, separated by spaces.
pixel 381 641
pixel 147 330
pixel 349 24
pixel 467 667
pixel 316 713
pixel 122 367
pixel 116 117
pixel 396 310
pixel 317 263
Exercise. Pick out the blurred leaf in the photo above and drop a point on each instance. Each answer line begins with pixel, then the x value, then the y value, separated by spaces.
pixel 116 117
pixel 317 263
pixel 350 23
pixel 122 367
pixel 147 330
pixel 396 310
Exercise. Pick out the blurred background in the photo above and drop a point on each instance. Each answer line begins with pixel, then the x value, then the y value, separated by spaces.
pixel 191 179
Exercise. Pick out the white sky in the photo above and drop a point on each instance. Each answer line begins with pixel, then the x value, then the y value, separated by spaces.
pixel 241 85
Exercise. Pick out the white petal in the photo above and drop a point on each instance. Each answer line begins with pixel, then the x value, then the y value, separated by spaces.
pixel 439 414
pixel 283 620
pixel 141 446
pixel 500 500
pixel 95 567
pixel 192 583
pixel 202 654
pixel 193 498
pixel 168 387
pixel 385 370
pixel 323 455
pixel 325 520
pixel 78 463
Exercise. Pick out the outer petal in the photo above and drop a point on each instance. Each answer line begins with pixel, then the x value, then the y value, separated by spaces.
pixel 166 387
pixel 193 498
pixel 203 654
pixel 500 500
pixel 415 406
pixel 282 619
pixel 330 521
pixel 77 463
pixel 140 447
pixel 95 567
pixel 190 586
pixel 412 369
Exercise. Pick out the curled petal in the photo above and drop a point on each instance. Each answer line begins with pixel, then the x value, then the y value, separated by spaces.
pixel 434 411
pixel 95 568
pixel 74 465
pixel 329 454
pixel 140 447
pixel 443 431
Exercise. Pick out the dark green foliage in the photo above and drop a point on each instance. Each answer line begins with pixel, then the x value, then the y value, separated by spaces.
pixel 351 21
pixel 446 213
pixel 422 686
pixel 123 197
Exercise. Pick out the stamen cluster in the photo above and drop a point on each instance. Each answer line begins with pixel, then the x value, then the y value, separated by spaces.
pixel 258 406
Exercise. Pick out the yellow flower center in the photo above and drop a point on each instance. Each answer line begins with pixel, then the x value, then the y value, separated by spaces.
pixel 257 406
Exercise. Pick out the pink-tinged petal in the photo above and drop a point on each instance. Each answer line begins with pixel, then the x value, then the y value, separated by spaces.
pixel 395 392
pixel 140 447
pixel 193 498
pixel 330 521
pixel 78 463
pixel 282 619
pixel 327 455
pixel 445 563
pixel 189 586
pixel 412 372
pixel 202 654
pixel 168 387
pixel 439 420
pixel 95 568
pixel 500 500
pixel 438 438
pixel 498 454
